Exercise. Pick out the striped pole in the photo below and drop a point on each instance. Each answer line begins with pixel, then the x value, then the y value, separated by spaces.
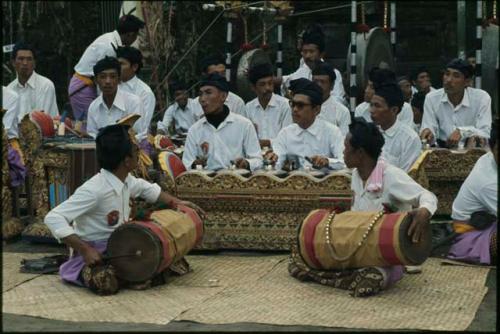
pixel 479 42
pixel 229 37
pixel 353 88
pixel 279 53
pixel 393 28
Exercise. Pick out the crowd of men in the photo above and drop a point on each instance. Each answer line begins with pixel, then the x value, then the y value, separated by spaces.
pixel 308 124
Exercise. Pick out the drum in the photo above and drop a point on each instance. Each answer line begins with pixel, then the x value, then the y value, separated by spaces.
pixel 44 122
pixel 247 60
pixel 359 239
pixel 142 249
pixel 68 166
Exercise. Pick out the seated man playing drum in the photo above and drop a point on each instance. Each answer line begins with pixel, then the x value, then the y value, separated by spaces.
pixel 222 138
pixel 316 142
pixel 376 185
pixel 101 205
pixel 478 194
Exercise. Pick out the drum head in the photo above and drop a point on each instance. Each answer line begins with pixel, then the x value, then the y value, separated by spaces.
pixel 417 253
pixel 247 60
pixel 134 239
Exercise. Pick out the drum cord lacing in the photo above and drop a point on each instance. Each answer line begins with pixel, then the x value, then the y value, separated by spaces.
pixel 335 256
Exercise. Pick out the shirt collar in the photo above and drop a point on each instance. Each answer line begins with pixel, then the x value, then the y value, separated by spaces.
pixel 465 100
pixel 313 129
pixel 114 181
pixel 132 83
pixel 31 81
pixel 119 101
pixel 272 102
pixel 392 130
pixel 229 119
pixel 117 40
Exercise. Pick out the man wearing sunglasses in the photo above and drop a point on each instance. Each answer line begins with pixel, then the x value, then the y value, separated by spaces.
pixel 317 143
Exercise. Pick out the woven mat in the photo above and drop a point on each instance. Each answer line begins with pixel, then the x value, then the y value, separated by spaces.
pixel 48 297
pixel 441 298
pixel 11 263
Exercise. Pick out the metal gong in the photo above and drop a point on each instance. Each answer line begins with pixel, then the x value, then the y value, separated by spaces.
pixel 247 60
pixel 490 65
pixel 373 49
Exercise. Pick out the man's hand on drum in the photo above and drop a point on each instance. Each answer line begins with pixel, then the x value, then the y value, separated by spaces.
pixel 271 157
pixel 419 222
pixel 475 141
pixel 454 138
pixel 195 207
pixel 91 256
pixel 242 163
pixel 319 161
pixel 427 135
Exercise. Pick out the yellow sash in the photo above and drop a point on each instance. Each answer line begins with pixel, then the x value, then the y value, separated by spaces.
pixel 86 80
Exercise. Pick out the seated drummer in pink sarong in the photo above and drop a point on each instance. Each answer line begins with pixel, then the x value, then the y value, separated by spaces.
pixel 100 206
pixel 474 210
pixel 377 185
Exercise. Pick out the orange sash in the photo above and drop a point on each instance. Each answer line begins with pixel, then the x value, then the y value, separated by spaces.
pixel 86 80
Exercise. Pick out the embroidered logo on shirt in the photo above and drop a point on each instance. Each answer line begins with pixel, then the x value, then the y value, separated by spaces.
pixel 113 217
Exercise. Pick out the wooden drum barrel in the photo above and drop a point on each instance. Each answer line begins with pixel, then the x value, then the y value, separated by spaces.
pixel 141 249
pixel 359 239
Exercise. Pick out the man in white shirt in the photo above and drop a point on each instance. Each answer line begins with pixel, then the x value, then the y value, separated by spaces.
pixel 315 142
pixel 478 193
pixel 405 86
pixel 421 80
pixel 35 91
pixel 113 104
pixel 100 206
pixel 331 110
pixel 402 145
pixel 455 113
pixel 376 77
pixel 221 138
pixel 376 185
pixel 268 112
pixel 131 63
pixel 417 105
pixel 312 51
pixel 215 64
pixel 82 90
pixel 182 114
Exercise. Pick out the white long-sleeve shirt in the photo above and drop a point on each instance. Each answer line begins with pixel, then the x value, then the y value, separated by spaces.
pixel 271 120
pixel 305 72
pixel 472 116
pixel 321 138
pixel 100 47
pixel 10 102
pixel 405 116
pixel 183 119
pixel 92 205
pixel 398 190
pixel 336 113
pixel 139 88
pixel 402 145
pixel 479 192
pixel 234 138
pixel 38 93
pixel 234 102
pixel 124 104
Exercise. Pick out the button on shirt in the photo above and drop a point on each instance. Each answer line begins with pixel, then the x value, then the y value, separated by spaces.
pixel 479 192
pixel 38 93
pixel 321 138
pixel 234 138
pixel 402 145
pixel 139 88
pixel 10 102
pixel 472 116
pixel 183 119
pixel 96 51
pixel 234 102
pixel 92 204
pixel 405 116
pixel 336 113
pixel 100 115
pixel 398 190
pixel 271 120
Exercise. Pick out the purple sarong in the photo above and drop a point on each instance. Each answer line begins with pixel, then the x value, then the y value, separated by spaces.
pixel 81 100
pixel 17 171
pixel 391 274
pixel 146 147
pixel 473 246
pixel 70 270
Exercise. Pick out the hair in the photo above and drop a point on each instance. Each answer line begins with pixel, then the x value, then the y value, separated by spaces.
pixel 113 145
pixel 418 100
pixel 314 35
pixel 366 136
pixel 210 60
pixel 380 76
pixel 493 134
pixel 420 69
pixel 403 77
pixel 107 63
pixel 175 86
pixel 392 94
pixel 324 68
pixel 257 72
pixel 23 46
pixel 129 23
pixel 133 55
